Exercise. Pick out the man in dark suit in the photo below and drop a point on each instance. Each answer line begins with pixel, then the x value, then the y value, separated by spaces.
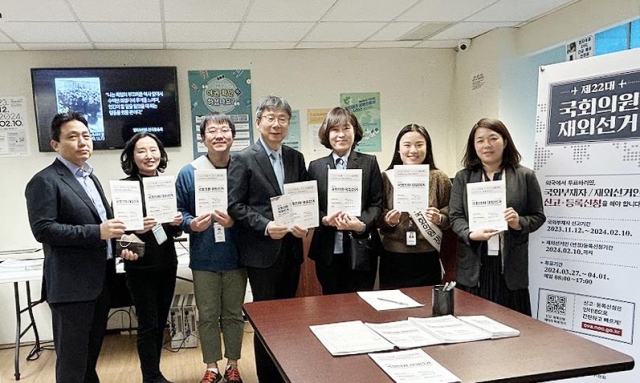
pixel 271 253
pixel 71 217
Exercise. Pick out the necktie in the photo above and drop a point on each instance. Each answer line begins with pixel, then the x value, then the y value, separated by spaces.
pixel 338 247
pixel 277 168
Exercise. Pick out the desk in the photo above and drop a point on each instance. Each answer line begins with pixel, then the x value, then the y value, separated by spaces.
pixel 16 277
pixel 541 352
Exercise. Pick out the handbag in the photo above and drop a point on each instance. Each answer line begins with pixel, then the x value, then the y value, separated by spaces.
pixel 130 242
pixel 363 252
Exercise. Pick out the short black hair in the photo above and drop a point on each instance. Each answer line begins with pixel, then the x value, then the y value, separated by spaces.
pixel 336 117
pixel 218 118
pixel 62 118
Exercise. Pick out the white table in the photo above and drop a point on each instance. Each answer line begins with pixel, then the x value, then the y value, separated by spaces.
pixel 15 271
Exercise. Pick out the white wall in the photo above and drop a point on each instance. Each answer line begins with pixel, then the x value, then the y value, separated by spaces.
pixel 414 86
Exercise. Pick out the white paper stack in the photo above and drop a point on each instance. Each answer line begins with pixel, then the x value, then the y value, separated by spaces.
pixel 495 328
pixel 450 329
pixel 413 366
pixel 352 337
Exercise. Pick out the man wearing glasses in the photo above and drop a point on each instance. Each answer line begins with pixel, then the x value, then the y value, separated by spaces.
pixel 219 281
pixel 271 253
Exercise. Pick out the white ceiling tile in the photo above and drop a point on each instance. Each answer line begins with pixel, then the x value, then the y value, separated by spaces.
pixel 326 45
pixel 56 47
pixel 444 10
pixel 124 32
pixel 226 45
pixel 469 30
pixel 45 32
pixel 116 10
pixel 288 10
pixel 34 10
pixel 517 10
pixel 394 31
pixel 338 31
pixel 263 45
pixel 130 46
pixel 200 32
pixel 9 47
pixel 438 44
pixel 205 10
pixel 387 44
pixel 273 32
pixel 371 10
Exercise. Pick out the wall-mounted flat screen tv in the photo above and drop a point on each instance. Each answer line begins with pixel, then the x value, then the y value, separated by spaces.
pixel 117 102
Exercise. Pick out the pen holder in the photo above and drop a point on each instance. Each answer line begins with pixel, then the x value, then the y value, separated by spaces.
pixel 441 301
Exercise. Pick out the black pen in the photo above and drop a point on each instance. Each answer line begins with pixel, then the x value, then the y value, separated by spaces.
pixel 392 301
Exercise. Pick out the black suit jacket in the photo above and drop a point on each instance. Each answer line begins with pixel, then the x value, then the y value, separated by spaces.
pixel 321 249
pixel 252 182
pixel 66 222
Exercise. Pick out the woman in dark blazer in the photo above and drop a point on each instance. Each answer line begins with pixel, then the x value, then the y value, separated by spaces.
pixel 340 132
pixel 151 279
pixel 499 271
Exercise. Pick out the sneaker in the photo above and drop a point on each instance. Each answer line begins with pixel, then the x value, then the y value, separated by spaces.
pixel 211 377
pixel 232 375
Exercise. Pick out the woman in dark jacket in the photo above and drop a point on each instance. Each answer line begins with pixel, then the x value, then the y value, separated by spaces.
pixel 151 278
pixel 497 271
pixel 340 132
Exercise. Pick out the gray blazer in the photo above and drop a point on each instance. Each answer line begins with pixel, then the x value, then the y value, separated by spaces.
pixel 524 196
pixel 66 222
pixel 252 183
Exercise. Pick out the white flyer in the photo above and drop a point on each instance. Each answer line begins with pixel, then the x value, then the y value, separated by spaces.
pixel 413 366
pixel 304 201
pixel 14 137
pixel 344 191
pixel 127 203
pixel 160 198
pixel 211 190
pixel 282 210
pixel 411 187
pixel 487 202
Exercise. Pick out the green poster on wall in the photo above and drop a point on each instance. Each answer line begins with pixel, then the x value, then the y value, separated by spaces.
pixel 222 91
pixel 366 107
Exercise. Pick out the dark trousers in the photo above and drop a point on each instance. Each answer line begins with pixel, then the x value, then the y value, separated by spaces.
pixel 338 278
pixel 78 330
pixel 152 293
pixel 277 281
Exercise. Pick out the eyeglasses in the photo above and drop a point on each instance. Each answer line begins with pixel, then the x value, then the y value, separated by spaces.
pixel 223 130
pixel 270 118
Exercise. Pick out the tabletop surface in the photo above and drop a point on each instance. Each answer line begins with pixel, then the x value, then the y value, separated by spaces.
pixel 541 352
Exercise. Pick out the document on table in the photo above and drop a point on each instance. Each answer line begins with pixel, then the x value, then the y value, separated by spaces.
pixel 127 203
pixel 211 190
pixel 304 201
pixel 450 329
pixel 411 187
pixel 495 328
pixel 404 334
pixel 344 191
pixel 388 299
pixel 413 366
pixel 347 338
pixel 160 198
pixel 487 202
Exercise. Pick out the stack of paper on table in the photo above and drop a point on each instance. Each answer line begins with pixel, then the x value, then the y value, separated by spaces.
pixel 353 337
pixel 495 328
pixel 450 329
pixel 404 334
pixel 388 299
pixel 413 366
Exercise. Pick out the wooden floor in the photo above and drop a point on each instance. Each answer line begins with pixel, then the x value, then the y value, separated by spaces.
pixel 119 363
